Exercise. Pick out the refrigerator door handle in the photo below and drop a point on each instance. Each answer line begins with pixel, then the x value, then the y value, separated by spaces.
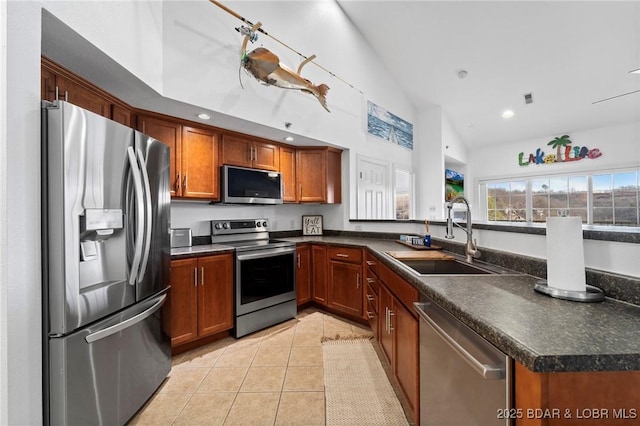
pixel 148 215
pixel 93 337
pixel 137 181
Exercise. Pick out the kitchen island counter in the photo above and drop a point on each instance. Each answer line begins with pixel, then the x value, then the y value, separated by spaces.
pixel 542 333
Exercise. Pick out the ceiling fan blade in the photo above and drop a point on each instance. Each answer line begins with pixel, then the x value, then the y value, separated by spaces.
pixel 613 97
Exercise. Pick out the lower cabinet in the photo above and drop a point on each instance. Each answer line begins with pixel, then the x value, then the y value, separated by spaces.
pixel 399 334
pixel 345 280
pixel 303 273
pixel 319 274
pixel 201 297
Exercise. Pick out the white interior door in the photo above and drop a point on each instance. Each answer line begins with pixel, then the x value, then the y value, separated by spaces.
pixel 373 189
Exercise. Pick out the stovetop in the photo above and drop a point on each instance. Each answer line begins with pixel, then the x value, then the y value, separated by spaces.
pixel 251 234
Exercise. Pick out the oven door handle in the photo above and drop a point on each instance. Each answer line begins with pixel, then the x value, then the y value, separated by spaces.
pixel 261 253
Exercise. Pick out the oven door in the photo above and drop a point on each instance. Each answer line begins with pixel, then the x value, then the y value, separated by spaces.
pixel 264 277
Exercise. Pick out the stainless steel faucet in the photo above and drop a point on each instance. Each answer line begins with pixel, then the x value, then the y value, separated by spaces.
pixel 471 250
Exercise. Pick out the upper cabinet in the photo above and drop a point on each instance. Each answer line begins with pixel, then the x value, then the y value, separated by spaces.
pixel 194 156
pixel 58 83
pixel 246 152
pixel 288 173
pixel 200 163
pixel 170 134
pixel 319 175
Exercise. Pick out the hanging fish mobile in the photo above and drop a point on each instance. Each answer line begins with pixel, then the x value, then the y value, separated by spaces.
pixel 265 66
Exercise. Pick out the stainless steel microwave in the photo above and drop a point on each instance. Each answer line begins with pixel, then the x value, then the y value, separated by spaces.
pixel 241 185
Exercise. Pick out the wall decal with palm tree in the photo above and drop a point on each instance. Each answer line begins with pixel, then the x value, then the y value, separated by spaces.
pixel 565 152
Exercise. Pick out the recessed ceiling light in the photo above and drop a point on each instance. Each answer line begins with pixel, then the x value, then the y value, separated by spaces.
pixel 635 71
pixel 289 139
pixel 507 114
pixel 204 116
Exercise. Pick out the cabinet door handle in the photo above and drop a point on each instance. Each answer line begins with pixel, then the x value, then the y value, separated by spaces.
pixel 298 256
pixel 184 183
pixel 358 280
pixel 195 277
pixel 300 191
pixel 177 184
pixel 386 319
pixel 391 314
pixel 342 255
pixel 202 275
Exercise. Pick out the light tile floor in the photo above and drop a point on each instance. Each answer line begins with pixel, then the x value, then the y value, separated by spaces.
pixel 272 377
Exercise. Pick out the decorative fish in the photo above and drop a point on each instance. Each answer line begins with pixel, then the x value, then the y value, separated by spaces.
pixel 265 66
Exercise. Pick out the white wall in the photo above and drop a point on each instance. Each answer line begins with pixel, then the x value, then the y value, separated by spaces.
pixel 619 145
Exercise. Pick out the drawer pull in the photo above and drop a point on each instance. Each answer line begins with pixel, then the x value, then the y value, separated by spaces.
pixel 370 315
pixel 371 280
pixel 371 263
pixel 370 298
pixel 342 255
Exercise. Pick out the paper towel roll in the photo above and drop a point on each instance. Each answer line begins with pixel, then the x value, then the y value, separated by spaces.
pixel 565 254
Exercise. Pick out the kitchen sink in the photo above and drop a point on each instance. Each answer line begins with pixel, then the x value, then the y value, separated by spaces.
pixel 449 267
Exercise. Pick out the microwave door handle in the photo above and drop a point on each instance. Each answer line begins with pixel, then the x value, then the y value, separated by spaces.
pixel 147 214
pixel 137 182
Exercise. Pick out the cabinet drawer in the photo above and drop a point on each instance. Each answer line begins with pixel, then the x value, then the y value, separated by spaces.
pixel 345 254
pixel 372 300
pixel 371 280
pixel 371 263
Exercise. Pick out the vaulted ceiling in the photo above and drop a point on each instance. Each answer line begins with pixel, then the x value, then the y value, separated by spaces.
pixel 568 54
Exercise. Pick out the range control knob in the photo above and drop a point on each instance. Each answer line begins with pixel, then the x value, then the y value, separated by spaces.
pixel 258 224
pixel 225 225
pixel 264 223
pixel 218 225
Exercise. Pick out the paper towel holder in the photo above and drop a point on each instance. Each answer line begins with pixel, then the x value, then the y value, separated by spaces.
pixel 591 294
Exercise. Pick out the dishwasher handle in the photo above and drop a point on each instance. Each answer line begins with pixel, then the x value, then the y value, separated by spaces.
pixel 488 372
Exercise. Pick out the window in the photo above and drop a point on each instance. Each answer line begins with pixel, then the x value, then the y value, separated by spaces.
pixel 506 201
pixel 403 194
pixel 599 199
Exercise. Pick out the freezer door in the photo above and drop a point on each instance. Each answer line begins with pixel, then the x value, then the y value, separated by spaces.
pixel 155 262
pixel 103 374
pixel 86 173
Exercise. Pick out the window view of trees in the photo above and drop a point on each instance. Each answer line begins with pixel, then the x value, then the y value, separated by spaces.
pixel 600 199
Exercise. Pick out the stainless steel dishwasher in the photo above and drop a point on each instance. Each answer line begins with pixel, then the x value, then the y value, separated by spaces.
pixel 464 380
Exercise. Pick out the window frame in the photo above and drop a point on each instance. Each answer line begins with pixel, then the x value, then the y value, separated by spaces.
pixel 484 190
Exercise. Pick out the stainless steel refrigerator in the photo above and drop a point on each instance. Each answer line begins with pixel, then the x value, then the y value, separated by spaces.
pixel 106 263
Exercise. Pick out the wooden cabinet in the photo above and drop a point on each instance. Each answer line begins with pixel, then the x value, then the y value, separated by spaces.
pixel 303 273
pixel 82 96
pixel 201 297
pixel 589 397
pixel 288 173
pixel 247 152
pixel 170 134
pixel 345 280
pixel 319 274
pixel 194 164
pixel 199 164
pixel 399 334
pixel 58 83
pixel 319 175
pixel 371 308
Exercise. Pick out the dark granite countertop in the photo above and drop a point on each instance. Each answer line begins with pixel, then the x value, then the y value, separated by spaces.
pixel 542 333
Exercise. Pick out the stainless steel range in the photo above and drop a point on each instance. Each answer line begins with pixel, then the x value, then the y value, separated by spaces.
pixel 265 283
